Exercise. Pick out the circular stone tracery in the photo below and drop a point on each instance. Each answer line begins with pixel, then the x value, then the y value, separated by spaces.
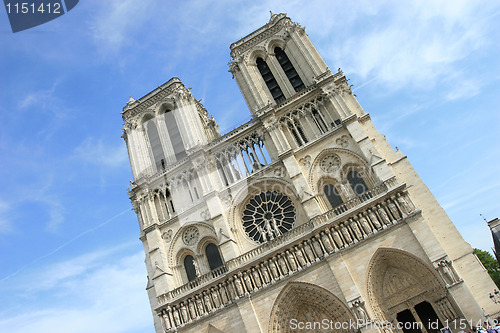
pixel 190 236
pixel 268 215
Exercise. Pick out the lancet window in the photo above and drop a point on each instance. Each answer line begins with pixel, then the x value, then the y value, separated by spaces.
pixel 213 256
pixel 270 81
pixel 357 182
pixel 297 132
pixel 289 70
pixel 190 267
pixel 155 144
pixel 332 195
pixel 175 135
pixel 318 120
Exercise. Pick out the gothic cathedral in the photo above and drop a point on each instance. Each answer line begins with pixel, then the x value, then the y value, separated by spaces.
pixel 302 219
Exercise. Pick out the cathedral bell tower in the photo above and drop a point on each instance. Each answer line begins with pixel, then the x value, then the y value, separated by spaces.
pixel 303 218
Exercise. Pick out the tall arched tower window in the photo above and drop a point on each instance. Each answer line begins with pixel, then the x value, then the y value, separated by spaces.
pixel 333 195
pixel 289 70
pixel 357 182
pixel 270 81
pixel 190 268
pixel 155 143
pixel 175 135
pixel 213 256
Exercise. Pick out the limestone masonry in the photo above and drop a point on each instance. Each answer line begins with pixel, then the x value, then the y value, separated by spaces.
pixel 303 215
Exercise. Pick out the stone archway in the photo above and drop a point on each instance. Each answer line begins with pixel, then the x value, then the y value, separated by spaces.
pixel 300 302
pixel 403 288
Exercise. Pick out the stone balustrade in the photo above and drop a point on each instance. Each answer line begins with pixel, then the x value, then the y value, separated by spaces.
pixel 331 232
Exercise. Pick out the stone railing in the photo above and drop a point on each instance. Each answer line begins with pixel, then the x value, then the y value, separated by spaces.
pixel 259 268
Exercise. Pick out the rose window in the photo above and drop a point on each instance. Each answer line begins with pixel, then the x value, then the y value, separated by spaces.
pixel 268 215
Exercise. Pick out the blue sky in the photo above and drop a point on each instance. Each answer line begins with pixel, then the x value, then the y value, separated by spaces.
pixel 428 72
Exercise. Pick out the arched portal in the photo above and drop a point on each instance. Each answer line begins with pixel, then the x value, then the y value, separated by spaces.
pixel 300 303
pixel 402 288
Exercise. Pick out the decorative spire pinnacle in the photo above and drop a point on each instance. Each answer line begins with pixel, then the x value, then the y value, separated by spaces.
pixel 131 100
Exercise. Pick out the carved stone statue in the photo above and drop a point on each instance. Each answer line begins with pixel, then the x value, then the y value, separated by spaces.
pixel 291 260
pixel 166 318
pixel 326 242
pixel 364 224
pixel 248 281
pixel 274 269
pixel 215 297
pixel 358 307
pixel 256 278
pixel 192 308
pixel 446 309
pixel 317 246
pixel 383 215
pixel 199 305
pixel 355 229
pixel 447 272
pixel 184 313
pixel 175 315
pixel 265 273
pixel 238 285
pixel 308 251
pixel 405 205
pixel 345 233
pixel 207 302
pixel 336 237
pixel 393 209
pixel 196 268
pixel 374 219
pixel 300 256
pixel 282 264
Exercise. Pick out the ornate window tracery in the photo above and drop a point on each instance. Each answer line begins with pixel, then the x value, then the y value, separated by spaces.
pixel 268 215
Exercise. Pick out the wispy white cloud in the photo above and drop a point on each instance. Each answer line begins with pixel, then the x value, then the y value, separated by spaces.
pixel 101 291
pixel 47 104
pixel 62 246
pixel 116 19
pixel 97 152
pixel 417 44
pixel 5 222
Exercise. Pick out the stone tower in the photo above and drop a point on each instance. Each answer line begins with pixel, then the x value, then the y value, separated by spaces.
pixel 303 217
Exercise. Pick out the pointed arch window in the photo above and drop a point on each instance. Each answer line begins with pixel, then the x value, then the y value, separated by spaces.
pixel 357 182
pixel 289 70
pixel 213 256
pixel 155 144
pixel 190 267
pixel 295 134
pixel 333 195
pixel 175 135
pixel 270 81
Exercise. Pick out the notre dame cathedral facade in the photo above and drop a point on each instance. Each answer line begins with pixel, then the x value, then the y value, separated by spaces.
pixel 302 216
